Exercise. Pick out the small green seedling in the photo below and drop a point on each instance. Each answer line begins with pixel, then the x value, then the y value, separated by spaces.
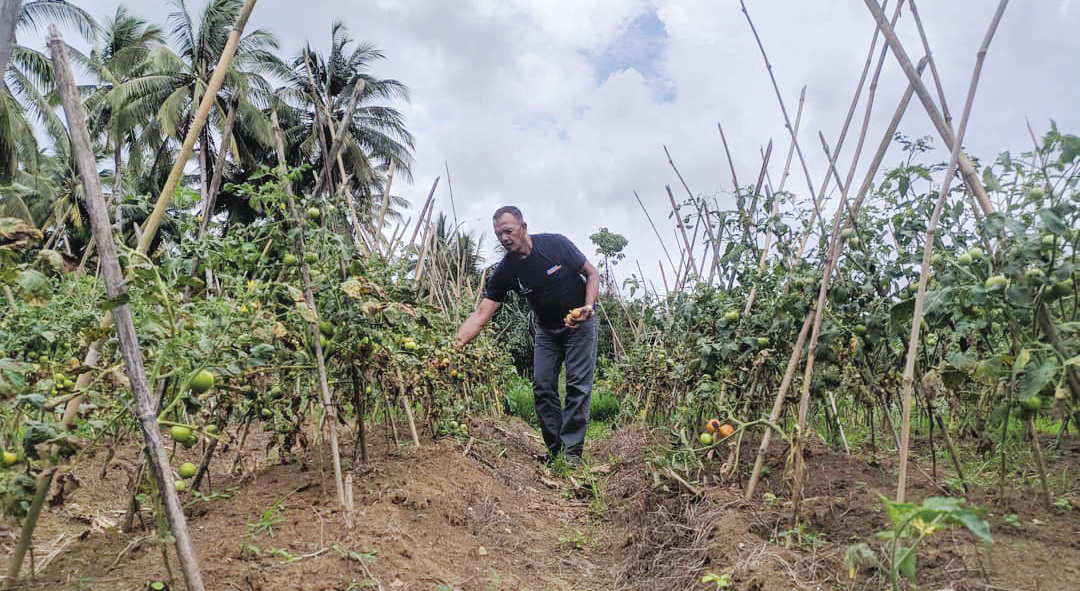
pixel 917 522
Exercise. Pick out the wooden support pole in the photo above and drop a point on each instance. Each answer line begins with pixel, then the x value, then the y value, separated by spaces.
pixel 145 411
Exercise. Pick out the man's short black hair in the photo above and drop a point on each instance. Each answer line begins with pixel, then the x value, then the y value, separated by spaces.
pixel 508 209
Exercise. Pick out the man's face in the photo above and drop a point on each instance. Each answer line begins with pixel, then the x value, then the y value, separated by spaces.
pixel 511 233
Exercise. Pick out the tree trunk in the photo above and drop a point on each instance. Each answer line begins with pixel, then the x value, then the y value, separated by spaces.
pixel 8 17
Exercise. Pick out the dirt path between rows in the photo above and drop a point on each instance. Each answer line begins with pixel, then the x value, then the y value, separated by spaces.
pixel 479 514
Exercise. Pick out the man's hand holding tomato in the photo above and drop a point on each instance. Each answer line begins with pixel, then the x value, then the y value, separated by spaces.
pixel 577 316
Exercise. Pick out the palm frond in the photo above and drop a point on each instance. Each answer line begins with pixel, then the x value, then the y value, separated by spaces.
pixel 39 13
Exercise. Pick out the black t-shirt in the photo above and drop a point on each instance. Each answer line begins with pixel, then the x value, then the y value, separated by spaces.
pixel 549 278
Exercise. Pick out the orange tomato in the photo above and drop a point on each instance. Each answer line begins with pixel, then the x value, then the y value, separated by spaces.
pixel 712 425
pixel 725 430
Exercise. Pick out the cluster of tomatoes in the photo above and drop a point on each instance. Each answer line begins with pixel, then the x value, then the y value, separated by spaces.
pixel 715 431
pixel 574 316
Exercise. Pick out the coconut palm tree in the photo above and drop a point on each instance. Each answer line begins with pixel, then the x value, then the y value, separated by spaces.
pixel 173 87
pixel 27 81
pixel 317 96
pixel 122 55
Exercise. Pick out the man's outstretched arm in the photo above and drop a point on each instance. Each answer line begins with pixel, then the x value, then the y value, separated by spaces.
pixel 476 321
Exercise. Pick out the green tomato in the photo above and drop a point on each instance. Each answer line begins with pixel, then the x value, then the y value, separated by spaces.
pixel 289 259
pixel 762 341
pixel 187 470
pixel 995 282
pixel 847 233
pixel 975 252
pixel 860 329
pixel 314 213
pixel 202 381
pixel 731 315
pixel 179 433
pixel 705 439
pixel 965 259
pixel 180 485
pixel 1035 275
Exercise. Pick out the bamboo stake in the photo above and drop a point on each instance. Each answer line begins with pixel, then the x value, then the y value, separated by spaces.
pixel 682 229
pixel 329 408
pixel 144 409
pixel 41 490
pixel 847 122
pixel 924 274
pixel 423 213
pixel 967 169
pixel 426 243
pixel 779 97
pixel 833 255
pixel 338 138
pixel 748 223
pixel 933 65
pixel 399 233
pixel 385 206
pixel 701 214
pixel 407 403
pixel 776 205
pixel 657 232
pixel 219 166
pixel 778 406
pixel 165 198
pixel 731 163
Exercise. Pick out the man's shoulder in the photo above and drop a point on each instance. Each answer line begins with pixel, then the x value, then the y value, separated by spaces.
pixel 551 238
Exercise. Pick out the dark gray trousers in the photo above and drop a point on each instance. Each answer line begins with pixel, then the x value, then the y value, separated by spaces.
pixel 564 427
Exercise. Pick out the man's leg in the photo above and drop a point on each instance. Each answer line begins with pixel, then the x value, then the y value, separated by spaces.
pixel 547 358
pixel 580 366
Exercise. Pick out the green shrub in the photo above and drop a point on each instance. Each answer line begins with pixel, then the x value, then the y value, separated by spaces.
pixel 605 407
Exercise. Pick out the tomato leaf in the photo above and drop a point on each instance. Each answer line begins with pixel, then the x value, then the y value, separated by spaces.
pixel 1036 379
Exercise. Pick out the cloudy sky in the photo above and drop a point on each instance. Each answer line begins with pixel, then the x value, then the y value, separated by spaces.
pixel 563 107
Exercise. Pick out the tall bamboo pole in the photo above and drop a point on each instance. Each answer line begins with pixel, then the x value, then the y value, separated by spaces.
pixel 832 256
pixel 145 412
pixel 779 97
pixel 816 213
pixel 313 321
pixel 209 96
pixel 931 232
pixel 219 165
pixel 731 163
pixel 967 169
pixel 933 65
pixel 338 137
pixel 655 231
pixel 778 406
pixel 682 230
pixel 423 214
pixel 702 219
pixel 380 238
pixel 776 205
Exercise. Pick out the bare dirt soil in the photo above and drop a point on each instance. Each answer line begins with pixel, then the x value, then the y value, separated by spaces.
pixel 484 516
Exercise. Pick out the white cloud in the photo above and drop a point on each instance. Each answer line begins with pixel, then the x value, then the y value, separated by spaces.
pixel 517 97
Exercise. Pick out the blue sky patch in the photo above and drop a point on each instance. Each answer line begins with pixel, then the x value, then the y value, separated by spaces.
pixel 640 47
